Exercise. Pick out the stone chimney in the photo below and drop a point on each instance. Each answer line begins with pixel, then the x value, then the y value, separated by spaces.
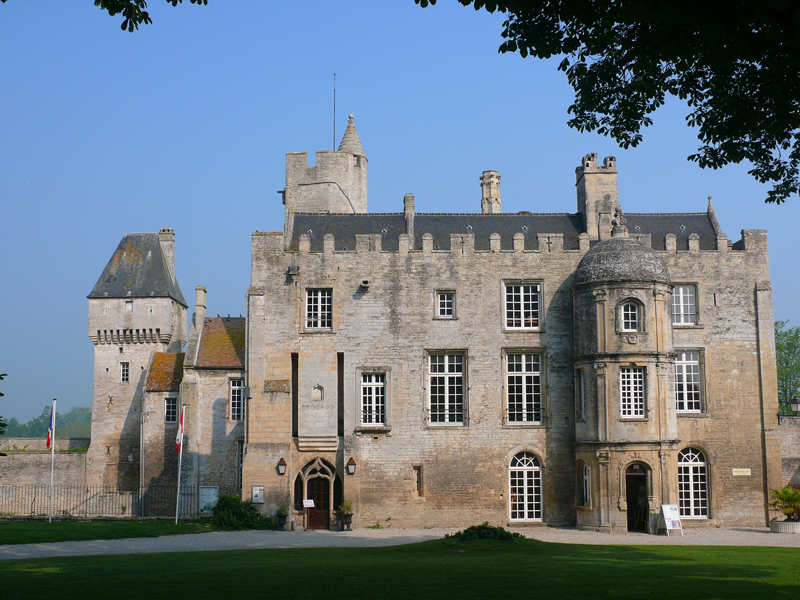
pixel 200 307
pixel 408 211
pixel 490 193
pixel 597 194
pixel 166 236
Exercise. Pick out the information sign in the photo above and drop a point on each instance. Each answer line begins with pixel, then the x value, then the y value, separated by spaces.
pixel 208 498
pixel 308 504
pixel 670 518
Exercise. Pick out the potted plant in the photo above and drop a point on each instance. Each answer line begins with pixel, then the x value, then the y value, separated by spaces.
pixel 787 501
pixel 282 514
pixel 346 508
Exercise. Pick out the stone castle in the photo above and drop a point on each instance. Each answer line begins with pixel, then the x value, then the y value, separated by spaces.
pixel 447 369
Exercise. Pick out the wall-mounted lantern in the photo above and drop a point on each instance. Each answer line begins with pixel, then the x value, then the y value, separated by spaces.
pixel 794 404
pixel 351 466
pixel 281 467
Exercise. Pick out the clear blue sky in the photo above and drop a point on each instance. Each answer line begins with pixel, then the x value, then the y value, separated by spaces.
pixel 186 122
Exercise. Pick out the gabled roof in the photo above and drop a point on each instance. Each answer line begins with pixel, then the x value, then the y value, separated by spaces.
pixel 166 372
pixel 138 269
pixel 344 228
pixel 222 343
pixel 350 142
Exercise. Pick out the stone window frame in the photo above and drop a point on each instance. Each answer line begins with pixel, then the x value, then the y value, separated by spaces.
pixel 634 413
pixel 330 326
pixel 124 372
pixel 437 305
pixel 171 410
pixel 580 394
pixel 583 485
pixel 539 305
pixel 236 409
pixel 464 422
pixel 377 427
pixel 623 319
pixel 691 470
pixel 696 289
pixel 701 382
pixel 507 422
pixel 536 471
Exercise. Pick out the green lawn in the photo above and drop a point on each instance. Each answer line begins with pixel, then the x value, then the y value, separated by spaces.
pixel 35 531
pixel 436 569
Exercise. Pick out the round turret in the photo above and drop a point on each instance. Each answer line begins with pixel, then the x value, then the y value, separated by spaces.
pixel 622 258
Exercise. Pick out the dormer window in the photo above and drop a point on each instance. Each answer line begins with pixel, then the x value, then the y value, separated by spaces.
pixel 630 317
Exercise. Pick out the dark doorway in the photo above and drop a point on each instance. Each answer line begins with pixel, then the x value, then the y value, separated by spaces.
pixel 319 490
pixel 636 497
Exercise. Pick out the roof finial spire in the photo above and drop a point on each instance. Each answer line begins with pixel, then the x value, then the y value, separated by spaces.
pixel 350 142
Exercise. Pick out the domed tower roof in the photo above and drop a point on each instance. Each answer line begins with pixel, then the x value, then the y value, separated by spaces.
pixel 350 141
pixel 621 258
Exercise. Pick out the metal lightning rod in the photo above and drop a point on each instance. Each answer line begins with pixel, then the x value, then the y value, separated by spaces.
pixel 334 111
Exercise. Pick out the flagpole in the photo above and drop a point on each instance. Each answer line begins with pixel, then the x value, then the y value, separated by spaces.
pixel 179 442
pixel 52 454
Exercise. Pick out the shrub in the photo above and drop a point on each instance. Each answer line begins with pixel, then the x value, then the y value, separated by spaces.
pixel 787 500
pixel 484 532
pixel 231 513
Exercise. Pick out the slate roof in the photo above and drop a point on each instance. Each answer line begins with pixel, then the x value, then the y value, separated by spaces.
pixel 222 343
pixel 166 372
pixel 622 259
pixel 345 227
pixel 138 269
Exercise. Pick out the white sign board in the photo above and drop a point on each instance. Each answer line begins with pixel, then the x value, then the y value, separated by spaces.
pixel 208 498
pixel 670 518
pixel 258 494
pixel 308 504
pixel 741 472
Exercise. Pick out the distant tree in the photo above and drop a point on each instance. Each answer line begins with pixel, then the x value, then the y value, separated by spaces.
pixel 736 63
pixel 75 423
pixel 787 351
pixel 133 13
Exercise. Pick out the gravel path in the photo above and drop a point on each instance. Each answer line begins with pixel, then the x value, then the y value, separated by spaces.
pixel 245 540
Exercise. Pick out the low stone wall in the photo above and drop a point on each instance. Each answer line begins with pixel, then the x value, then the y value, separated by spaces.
pixel 789 428
pixel 28 462
pixel 21 444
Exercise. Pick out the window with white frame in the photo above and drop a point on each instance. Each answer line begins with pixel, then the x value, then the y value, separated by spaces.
pixel 319 308
pixel 124 372
pixel 684 305
pixel 692 484
pixel 446 392
pixel 585 486
pixel 580 382
pixel 170 410
pixel 525 488
pixel 237 399
pixel 445 305
pixel 631 391
pixel 522 305
pixel 687 381
pixel 373 398
pixel 523 387
pixel 630 317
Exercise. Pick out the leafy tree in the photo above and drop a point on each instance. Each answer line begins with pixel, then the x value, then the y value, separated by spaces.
pixel 787 351
pixel 736 64
pixel 76 423
pixel 133 11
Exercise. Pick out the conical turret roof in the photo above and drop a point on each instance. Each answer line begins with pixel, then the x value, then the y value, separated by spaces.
pixel 350 142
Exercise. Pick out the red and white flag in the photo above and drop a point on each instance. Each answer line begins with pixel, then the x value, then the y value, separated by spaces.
pixel 179 437
pixel 51 428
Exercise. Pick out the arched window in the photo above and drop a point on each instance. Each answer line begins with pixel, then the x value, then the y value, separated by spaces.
pixel 586 485
pixel 630 317
pixel 692 483
pixel 525 488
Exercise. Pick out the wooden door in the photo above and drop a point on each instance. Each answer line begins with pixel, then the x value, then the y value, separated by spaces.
pixel 319 490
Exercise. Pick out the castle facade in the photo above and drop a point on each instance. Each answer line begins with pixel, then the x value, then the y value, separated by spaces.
pixel 446 369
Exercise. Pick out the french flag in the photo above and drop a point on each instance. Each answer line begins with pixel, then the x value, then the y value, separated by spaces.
pixel 179 437
pixel 51 428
